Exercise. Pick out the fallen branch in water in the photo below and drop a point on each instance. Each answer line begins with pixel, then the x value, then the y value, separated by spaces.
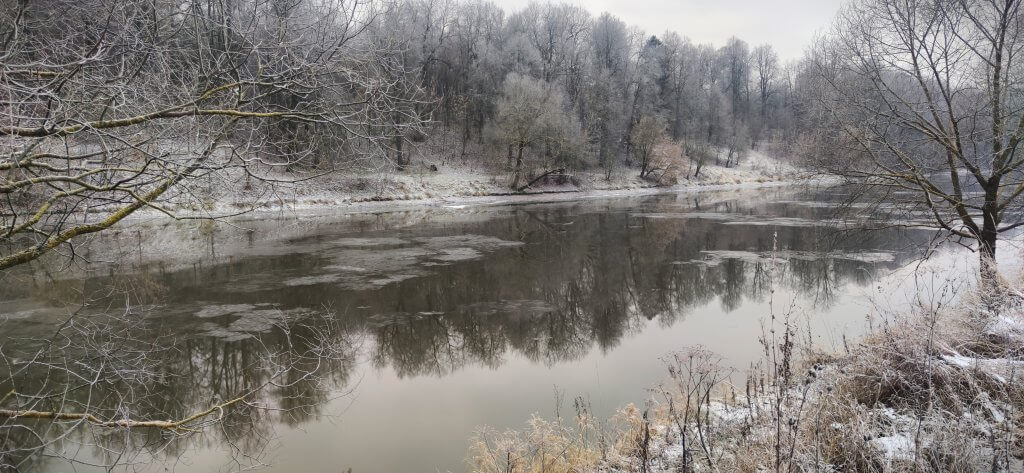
pixel 179 426
pixel 542 176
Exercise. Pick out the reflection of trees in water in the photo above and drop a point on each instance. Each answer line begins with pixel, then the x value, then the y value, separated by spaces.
pixel 130 366
pixel 600 276
pixel 583 280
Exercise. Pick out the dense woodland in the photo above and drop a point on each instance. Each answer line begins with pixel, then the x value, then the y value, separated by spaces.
pixel 585 90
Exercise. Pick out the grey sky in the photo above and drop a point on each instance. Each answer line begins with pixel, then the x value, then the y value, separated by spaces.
pixel 788 25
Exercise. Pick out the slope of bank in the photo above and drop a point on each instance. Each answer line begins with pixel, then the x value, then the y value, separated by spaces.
pixel 430 182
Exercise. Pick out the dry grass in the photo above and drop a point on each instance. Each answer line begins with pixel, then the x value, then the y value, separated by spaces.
pixel 937 389
pixel 546 446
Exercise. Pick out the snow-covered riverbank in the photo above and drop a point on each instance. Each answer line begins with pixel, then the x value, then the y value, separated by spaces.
pixel 421 185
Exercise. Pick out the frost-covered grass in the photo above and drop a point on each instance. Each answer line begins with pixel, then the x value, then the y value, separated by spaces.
pixel 418 182
pixel 438 171
pixel 936 389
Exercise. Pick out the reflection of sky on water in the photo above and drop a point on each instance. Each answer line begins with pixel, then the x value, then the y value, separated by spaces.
pixel 467 316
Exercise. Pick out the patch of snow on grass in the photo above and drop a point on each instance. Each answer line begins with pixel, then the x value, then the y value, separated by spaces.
pixel 1009 327
pixel 896 447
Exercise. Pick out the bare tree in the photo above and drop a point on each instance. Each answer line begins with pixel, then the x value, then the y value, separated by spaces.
pixel 927 97
pixel 735 59
pixel 529 112
pixel 646 135
pixel 109 107
pixel 766 64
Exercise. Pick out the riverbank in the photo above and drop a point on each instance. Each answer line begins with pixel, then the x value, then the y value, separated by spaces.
pixel 427 183
pixel 936 389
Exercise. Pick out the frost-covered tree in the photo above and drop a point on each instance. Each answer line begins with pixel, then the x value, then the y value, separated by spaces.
pixel 609 75
pixel 530 112
pixel 766 70
pixel 647 133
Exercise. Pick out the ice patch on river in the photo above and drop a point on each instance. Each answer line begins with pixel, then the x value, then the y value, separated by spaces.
pixel 513 310
pixel 480 242
pixel 817 204
pixel 313 280
pixel 400 318
pixel 716 257
pixel 392 260
pixel 458 254
pixel 785 222
pixel 246 320
pixel 519 308
pixel 25 314
pixel 370 242
pixel 741 219
pixel 687 215
pixel 222 310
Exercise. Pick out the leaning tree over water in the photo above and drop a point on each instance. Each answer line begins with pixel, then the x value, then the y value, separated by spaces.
pixel 922 102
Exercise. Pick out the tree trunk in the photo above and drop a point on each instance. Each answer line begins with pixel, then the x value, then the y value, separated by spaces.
pixel 465 135
pixel 602 153
pixel 987 245
pixel 633 120
pixel 399 153
pixel 481 119
pixel 519 167
pixel 676 116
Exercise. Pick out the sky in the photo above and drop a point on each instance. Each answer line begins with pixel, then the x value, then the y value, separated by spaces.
pixel 788 25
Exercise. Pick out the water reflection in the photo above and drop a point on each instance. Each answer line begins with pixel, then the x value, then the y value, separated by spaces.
pixel 420 294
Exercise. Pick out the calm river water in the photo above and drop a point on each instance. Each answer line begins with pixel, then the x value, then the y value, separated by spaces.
pixel 451 318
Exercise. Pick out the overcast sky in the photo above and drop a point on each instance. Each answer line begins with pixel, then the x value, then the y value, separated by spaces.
pixel 788 25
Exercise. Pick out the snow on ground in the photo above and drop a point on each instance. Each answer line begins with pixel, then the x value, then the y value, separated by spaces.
pixel 449 183
pixel 755 167
pixel 1009 327
pixel 894 447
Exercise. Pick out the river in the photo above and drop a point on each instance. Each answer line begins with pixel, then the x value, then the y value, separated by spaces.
pixel 442 320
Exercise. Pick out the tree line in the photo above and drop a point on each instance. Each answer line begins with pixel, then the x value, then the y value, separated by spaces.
pixel 584 90
pixel 108 107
